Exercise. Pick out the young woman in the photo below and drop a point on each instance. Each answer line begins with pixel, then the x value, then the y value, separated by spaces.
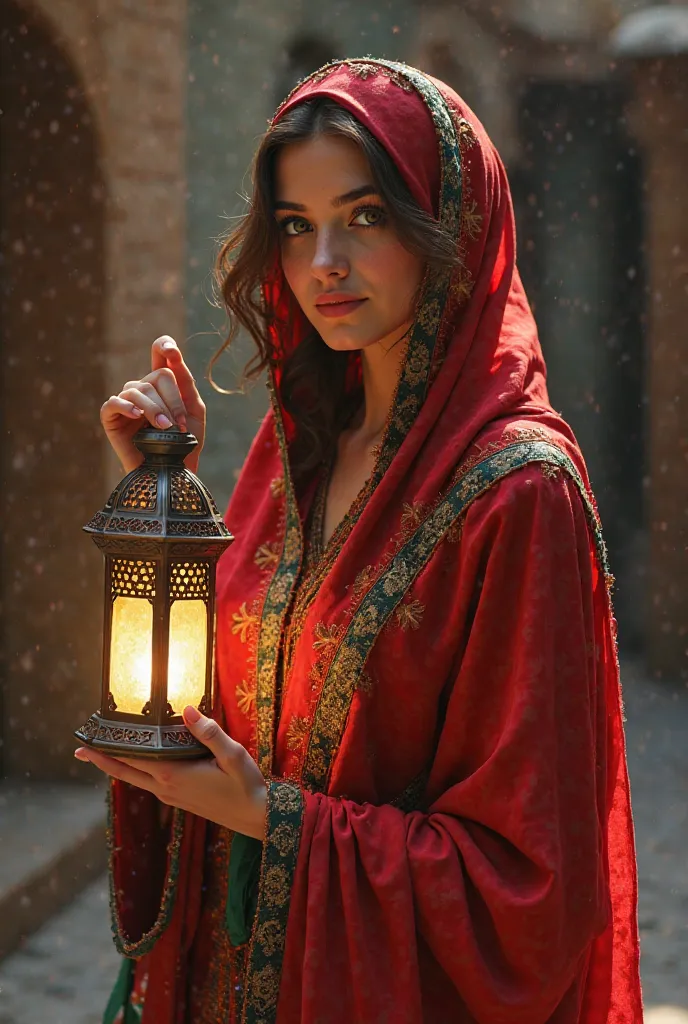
pixel 418 809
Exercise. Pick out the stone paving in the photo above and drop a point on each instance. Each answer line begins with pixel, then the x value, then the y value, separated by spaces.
pixel 64 973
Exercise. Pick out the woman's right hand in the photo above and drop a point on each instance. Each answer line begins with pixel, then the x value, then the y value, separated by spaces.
pixel 166 396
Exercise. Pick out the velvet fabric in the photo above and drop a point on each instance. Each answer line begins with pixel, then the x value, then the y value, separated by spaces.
pixel 449 832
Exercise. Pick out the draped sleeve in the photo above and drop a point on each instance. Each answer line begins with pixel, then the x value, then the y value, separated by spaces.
pixel 492 902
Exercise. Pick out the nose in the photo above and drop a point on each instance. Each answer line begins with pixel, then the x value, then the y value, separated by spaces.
pixel 329 259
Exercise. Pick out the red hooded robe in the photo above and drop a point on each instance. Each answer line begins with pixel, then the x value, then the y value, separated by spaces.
pixel 449 835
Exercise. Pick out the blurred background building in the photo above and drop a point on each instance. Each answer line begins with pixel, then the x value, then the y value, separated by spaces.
pixel 127 132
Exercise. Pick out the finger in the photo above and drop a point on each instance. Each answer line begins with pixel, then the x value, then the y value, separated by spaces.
pixel 225 749
pixel 146 397
pixel 165 383
pixel 117 769
pixel 166 352
pixel 116 406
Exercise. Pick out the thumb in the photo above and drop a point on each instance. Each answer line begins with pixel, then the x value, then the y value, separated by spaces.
pixel 211 735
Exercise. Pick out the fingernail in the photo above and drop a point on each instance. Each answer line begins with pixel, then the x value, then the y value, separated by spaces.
pixel 191 714
pixel 163 421
pixel 136 411
pixel 168 345
pixel 181 423
pixel 81 754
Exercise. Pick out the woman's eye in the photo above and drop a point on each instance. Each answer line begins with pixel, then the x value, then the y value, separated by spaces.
pixel 369 217
pixel 295 226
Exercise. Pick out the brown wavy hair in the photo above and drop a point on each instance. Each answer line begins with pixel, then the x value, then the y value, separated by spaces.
pixel 314 384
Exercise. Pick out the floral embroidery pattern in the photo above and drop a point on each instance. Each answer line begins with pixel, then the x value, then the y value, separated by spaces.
pixel 277 487
pixel 246 696
pixel 363 581
pixel 409 615
pixel 243 622
pixel 471 220
pixel 387 593
pixel 411 516
pixel 325 636
pixel 266 556
pixel 297 732
pixel 280 852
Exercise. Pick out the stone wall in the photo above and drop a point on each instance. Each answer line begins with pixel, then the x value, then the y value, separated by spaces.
pixel 93 219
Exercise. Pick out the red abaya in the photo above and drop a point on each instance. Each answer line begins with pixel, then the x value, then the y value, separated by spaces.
pixel 449 835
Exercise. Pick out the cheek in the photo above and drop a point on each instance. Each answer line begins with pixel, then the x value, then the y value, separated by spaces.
pixel 397 272
pixel 296 270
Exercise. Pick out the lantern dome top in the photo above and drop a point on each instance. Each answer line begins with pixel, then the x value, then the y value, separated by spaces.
pixel 161 499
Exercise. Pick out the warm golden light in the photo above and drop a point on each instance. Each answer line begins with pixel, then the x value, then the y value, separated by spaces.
pixel 131 653
pixel 188 647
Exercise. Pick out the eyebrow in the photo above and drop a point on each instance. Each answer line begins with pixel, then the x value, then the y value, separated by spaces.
pixel 348 197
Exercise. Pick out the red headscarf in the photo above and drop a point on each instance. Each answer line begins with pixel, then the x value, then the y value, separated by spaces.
pixel 449 836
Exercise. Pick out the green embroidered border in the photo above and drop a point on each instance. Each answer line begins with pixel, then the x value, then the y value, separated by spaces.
pixel 135 950
pixel 276 604
pixel 379 603
pixel 281 849
pixel 409 397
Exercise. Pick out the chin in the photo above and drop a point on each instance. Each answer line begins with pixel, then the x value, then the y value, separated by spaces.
pixel 354 341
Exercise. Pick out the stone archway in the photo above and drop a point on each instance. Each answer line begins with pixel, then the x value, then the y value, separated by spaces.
pixel 52 474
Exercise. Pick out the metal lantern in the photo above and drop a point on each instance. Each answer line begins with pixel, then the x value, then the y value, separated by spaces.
pixel 161 534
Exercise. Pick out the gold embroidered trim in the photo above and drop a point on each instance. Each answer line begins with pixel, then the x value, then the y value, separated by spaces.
pixel 280 851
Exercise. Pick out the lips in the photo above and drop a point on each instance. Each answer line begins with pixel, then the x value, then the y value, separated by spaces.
pixel 338 304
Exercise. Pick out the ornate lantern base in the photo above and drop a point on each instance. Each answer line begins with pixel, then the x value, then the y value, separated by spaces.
pixel 155 742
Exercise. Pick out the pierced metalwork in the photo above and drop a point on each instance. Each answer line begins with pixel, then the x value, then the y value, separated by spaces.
pixel 111 702
pixel 119 524
pixel 179 739
pixel 204 706
pixel 132 578
pixel 189 580
pixel 200 529
pixel 212 504
pixel 185 496
pixel 147 708
pixel 95 730
pixel 97 522
pixel 141 493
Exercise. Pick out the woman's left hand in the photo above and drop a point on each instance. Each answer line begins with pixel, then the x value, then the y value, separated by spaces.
pixel 228 789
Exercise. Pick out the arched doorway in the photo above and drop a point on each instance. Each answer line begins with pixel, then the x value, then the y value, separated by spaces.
pixel 51 386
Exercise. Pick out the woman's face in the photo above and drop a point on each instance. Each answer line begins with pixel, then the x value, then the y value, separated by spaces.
pixel 349 272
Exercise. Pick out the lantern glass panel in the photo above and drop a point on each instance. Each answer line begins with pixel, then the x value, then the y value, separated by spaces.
pixel 187 657
pixel 131 653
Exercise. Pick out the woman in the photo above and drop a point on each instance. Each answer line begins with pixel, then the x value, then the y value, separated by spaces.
pixel 423 811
